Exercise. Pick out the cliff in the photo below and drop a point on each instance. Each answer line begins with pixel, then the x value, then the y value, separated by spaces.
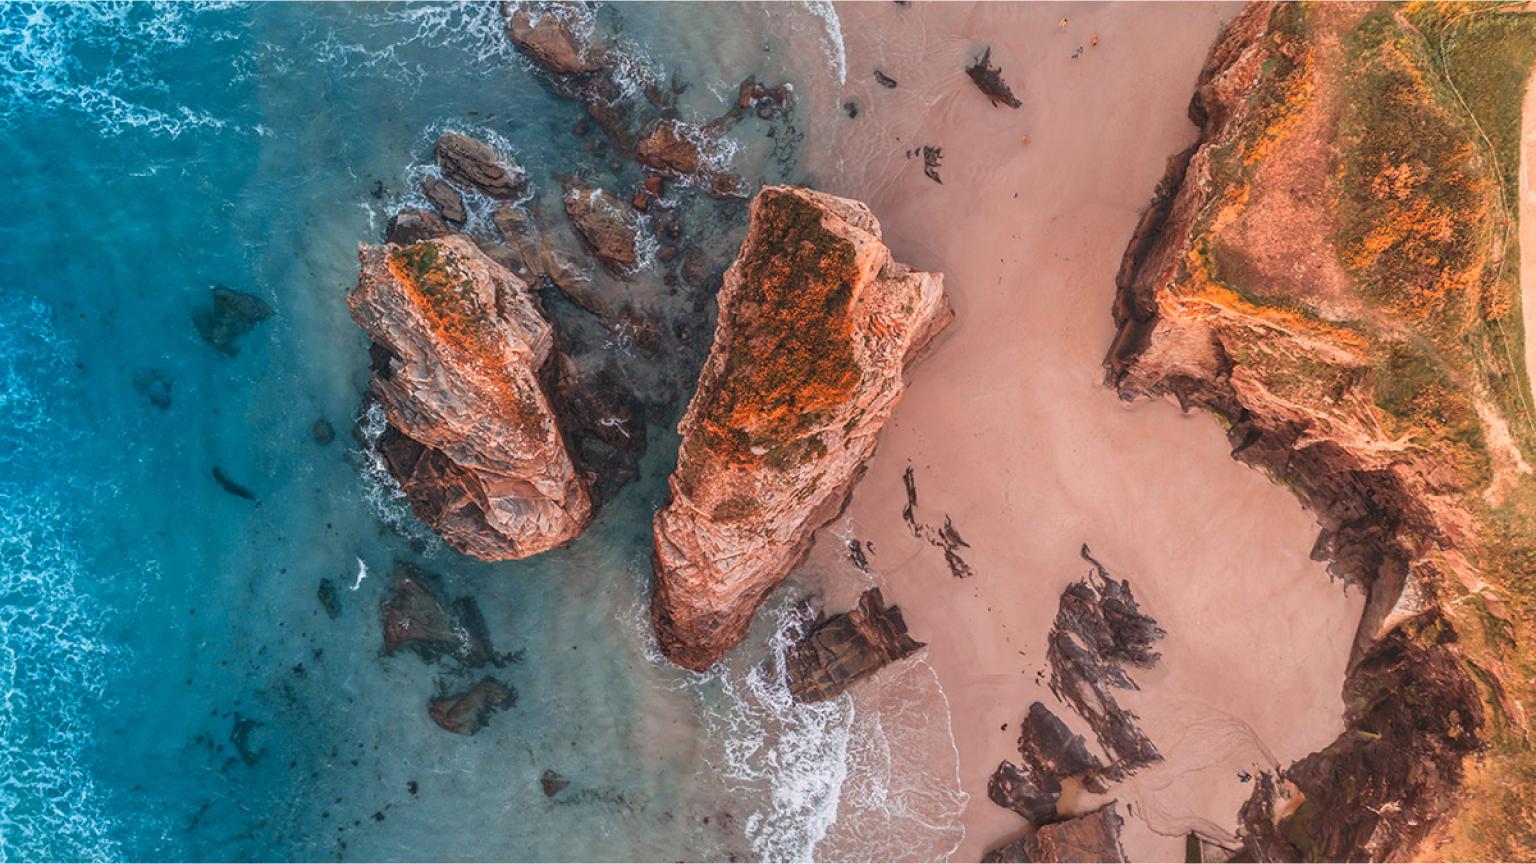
pixel 1326 272
pixel 459 348
pixel 817 325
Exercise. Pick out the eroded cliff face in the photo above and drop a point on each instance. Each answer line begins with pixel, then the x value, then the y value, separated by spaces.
pixel 817 325
pixel 1324 272
pixel 459 350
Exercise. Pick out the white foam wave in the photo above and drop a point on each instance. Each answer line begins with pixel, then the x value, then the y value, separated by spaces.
pixel 53 655
pixel 380 488
pixel 832 39
pixel 51 58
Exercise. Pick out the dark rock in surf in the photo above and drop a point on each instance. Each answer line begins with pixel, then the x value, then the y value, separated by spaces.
pixel 470 162
pixel 411 226
pixel 231 315
pixel 846 648
pixel 467 713
pixel 1093 836
pixel 989 79
pixel 605 224
pixel 554 35
pixel 446 199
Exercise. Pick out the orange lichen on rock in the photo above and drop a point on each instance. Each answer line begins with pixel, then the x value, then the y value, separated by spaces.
pixel 817 326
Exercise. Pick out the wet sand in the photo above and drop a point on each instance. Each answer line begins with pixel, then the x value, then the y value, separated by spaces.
pixel 1011 434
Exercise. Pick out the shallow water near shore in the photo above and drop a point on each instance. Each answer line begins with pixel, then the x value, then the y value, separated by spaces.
pixel 173 686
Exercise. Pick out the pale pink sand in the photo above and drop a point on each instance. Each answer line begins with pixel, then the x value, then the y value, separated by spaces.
pixel 1012 434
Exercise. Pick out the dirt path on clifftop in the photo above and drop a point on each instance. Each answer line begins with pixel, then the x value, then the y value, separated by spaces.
pixel 1527 218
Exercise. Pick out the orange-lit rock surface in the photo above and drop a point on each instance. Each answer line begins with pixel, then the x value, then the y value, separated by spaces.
pixel 459 346
pixel 817 327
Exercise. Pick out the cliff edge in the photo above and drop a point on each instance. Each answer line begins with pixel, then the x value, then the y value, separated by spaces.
pixel 817 325
pixel 1326 272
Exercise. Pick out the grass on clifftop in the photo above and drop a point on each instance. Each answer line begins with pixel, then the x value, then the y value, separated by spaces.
pixel 1423 201
pixel 791 361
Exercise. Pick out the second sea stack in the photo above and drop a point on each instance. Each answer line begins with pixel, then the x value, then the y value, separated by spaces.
pixel 817 327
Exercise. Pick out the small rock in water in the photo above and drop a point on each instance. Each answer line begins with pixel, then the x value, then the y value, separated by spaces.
pixel 231 486
pixel 412 226
pixel 469 162
pixel 552 783
pixel 322 431
pixel 885 80
pixel 231 315
pixel 240 737
pixel 155 386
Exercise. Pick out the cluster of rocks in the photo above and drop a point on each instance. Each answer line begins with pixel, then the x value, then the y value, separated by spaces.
pixel 419 620
pixel 1099 631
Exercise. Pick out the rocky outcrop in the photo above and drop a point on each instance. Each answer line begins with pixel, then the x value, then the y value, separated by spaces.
pixel 1290 278
pixel 446 199
pixel 460 345
pixel 555 35
pixel 1091 837
pixel 1099 631
pixel 817 326
pixel 411 226
pixel 467 713
pixel 846 648
pixel 470 162
pixel 989 80
pixel 605 224
pixel 1051 753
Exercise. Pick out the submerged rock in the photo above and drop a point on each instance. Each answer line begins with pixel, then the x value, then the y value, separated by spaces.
pixel 467 713
pixel 470 162
pixel 231 315
pixel 535 256
pixel 605 224
pixel 154 385
pixel 229 485
pixel 1093 836
pixel 416 618
pixel 846 648
pixel 817 326
pixel 322 432
pixel 472 437
pixel 330 601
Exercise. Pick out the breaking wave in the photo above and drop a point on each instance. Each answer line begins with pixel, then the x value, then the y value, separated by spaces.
pixel 53 656
pixel 380 488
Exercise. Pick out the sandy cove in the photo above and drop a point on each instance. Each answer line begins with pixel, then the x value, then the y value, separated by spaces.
pixel 1011 434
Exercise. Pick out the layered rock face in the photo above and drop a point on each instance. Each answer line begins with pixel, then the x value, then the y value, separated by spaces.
pixel 817 325
pixel 841 650
pixel 1322 272
pixel 459 347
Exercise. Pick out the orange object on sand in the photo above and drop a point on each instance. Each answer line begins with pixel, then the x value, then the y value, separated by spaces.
pixel 1095 40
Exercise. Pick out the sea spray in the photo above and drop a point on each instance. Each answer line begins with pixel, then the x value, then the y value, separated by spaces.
pixel 380 488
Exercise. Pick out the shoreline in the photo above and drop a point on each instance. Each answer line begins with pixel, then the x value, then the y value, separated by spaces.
pixel 1011 435
pixel 1526 217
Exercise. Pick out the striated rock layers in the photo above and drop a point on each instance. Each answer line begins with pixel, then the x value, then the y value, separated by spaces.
pixel 841 650
pixel 1091 837
pixel 1336 299
pixel 817 325
pixel 459 347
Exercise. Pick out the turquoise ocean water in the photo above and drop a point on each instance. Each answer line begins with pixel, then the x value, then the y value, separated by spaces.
pixel 170 685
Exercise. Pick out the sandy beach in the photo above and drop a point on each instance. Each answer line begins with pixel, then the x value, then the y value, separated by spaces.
pixel 1011 435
